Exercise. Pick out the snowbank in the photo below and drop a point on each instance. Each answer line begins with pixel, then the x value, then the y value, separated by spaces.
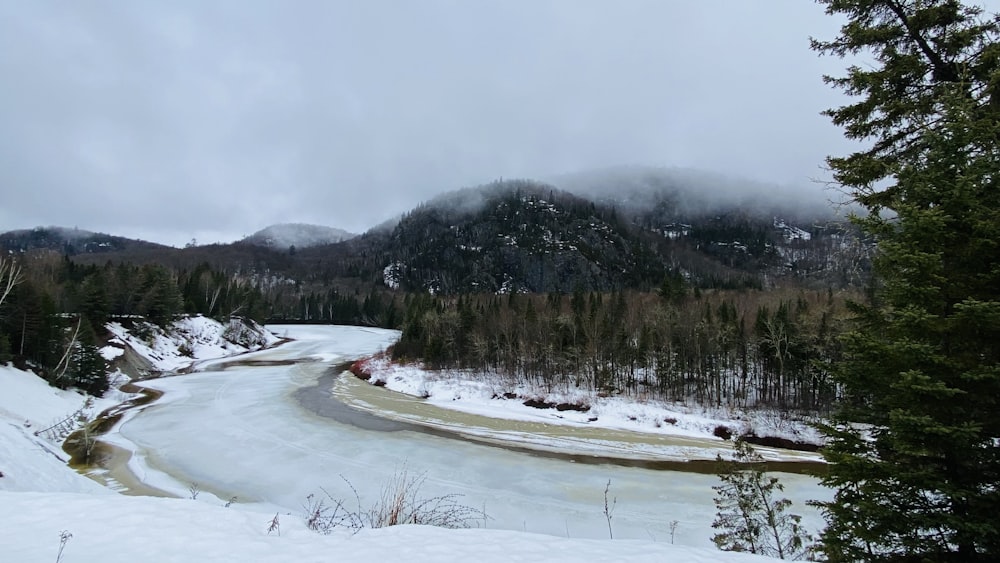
pixel 28 399
pixel 31 462
pixel 462 391
pixel 123 529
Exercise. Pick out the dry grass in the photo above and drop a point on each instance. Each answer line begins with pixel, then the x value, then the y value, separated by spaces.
pixel 400 502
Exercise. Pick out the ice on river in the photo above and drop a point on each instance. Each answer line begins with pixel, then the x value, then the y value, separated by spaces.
pixel 239 431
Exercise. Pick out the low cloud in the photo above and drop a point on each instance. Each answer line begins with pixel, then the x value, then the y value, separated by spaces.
pixel 179 120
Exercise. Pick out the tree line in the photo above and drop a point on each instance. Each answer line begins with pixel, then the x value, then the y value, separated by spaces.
pixel 53 311
pixel 722 348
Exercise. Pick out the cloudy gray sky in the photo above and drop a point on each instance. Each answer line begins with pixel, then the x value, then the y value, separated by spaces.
pixel 203 119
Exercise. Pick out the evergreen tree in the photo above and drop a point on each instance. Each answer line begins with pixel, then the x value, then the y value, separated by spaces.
pixel 914 451
pixel 6 354
pixel 161 299
pixel 919 48
pixel 87 369
pixel 93 298
pixel 750 519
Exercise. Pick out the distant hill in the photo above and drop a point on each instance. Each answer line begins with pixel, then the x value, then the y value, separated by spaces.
pixel 286 235
pixel 530 236
pixel 71 242
pixel 623 229
pixel 517 236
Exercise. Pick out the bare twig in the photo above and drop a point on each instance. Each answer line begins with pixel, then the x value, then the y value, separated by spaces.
pixel 64 537
pixel 274 525
pixel 609 510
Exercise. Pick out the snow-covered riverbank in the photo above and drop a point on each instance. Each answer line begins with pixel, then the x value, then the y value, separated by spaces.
pixel 185 342
pixel 492 398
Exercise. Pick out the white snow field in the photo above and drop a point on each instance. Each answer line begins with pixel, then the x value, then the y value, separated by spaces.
pixel 239 430
pixel 119 529
pixel 29 462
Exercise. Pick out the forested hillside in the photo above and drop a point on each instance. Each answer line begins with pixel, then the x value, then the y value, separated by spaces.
pixel 71 242
pixel 529 236
pixel 517 236
pixel 294 236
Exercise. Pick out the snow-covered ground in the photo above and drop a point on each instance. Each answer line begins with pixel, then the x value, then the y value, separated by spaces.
pixel 31 462
pixel 112 529
pixel 493 399
pixel 186 341
pixel 273 450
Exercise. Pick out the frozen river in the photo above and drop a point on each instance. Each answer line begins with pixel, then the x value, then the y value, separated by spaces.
pixel 240 428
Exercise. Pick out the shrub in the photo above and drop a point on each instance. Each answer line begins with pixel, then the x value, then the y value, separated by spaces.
pixel 399 502
pixel 723 432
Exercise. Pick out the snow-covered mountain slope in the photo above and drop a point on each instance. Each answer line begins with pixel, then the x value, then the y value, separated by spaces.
pixel 300 235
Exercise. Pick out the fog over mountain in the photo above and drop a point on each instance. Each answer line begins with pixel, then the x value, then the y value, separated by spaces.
pixel 299 235
pixel 69 241
pixel 181 120
pixel 680 193
pixel 698 192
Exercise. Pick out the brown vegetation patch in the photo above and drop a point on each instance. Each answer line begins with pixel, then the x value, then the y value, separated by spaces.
pixel 784 443
pixel 579 407
pixel 360 369
pixel 538 404
pixel 543 404
pixel 723 432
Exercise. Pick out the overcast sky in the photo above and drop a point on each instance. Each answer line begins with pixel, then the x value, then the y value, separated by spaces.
pixel 202 119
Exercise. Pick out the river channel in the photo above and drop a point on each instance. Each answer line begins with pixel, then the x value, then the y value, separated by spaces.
pixel 273 427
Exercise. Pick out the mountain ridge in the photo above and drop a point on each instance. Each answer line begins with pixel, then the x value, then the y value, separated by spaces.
pixel 70 241
pixel 529 236
pixel 283 236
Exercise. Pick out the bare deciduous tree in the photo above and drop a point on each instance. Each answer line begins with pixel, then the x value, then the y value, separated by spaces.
pixel 10 276
pixel 64 362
